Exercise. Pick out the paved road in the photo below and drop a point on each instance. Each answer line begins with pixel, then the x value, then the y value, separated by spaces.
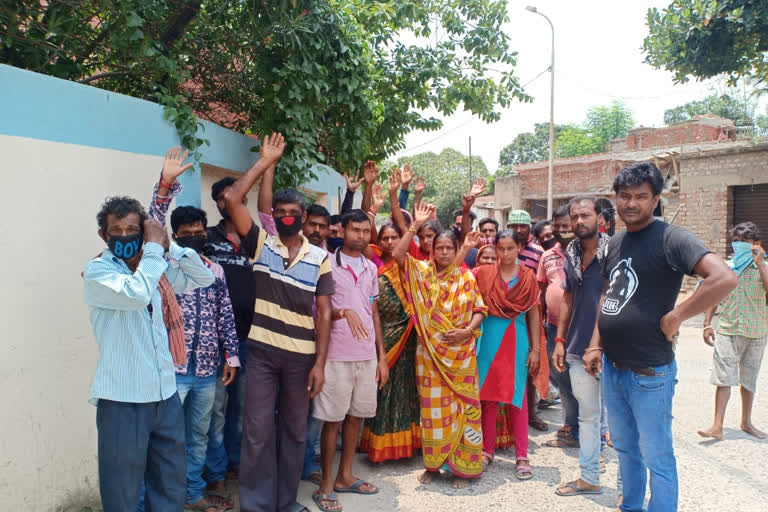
pixel 728 475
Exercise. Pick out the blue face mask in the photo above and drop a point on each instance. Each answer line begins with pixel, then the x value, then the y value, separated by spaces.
pixel 742 256
pixel 125 247
pixel 335 243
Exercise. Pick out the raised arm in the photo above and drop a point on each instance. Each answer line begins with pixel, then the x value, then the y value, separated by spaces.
pixel 422 215
pixel 370 174
pixel 418 190
pixel 397 215
pixel 271 150
pixel 168 187
pixel 349 197
pixel 376 204
pixel 265 191
pixel 471 240
pixel 406 178
pixel 467 200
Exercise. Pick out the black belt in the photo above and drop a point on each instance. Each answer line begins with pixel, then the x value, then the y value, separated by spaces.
pixel 647 371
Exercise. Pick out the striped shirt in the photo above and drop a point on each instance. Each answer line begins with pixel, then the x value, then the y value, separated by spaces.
pixel 135 363
pixel 530 255
pixel 744 310
pixel 285 292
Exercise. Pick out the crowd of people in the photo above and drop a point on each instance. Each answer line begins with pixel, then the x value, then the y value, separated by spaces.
pixel 234 351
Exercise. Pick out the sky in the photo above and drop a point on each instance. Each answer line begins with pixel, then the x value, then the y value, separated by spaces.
pixel 598 59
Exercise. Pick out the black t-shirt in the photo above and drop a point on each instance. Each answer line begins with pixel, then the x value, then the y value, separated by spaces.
pixel 644 270
pixel 238 269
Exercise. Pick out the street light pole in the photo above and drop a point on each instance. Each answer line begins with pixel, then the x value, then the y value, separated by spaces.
pixel 551 112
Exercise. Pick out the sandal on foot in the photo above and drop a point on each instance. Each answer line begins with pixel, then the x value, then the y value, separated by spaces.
pixel 523 472
pixel 562 443
pixel 220 500
pixel 205 507
pixel 327 498
pixel 355 488
pixel 315 477
pixel 539 425
pixel 576 490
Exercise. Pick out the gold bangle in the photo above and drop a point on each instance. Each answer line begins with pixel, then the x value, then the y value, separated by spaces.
pixel 412 229
pixel 592 349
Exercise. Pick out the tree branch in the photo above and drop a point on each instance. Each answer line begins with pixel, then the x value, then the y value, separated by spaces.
pixel 99 76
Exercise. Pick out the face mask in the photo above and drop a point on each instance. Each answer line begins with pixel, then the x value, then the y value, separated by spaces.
pixel 125 247
pixel 549 243
pixel 457 231
pixel 194 242
pixel 290 225
pixel 564 238
pixel 335 243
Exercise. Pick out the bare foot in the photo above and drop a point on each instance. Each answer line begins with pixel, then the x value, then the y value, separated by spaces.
pixel 427 477
pixel 460 483
pixel 751 430
pixel 204 505
pixel 715 432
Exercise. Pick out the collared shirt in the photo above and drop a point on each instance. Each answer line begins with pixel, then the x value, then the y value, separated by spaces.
pixel 744 310
pixel 357 286
pixel 285 292
pixel 209 324
pixel 530 255
pixel 551 272
pixel 135 363
pixel 585 297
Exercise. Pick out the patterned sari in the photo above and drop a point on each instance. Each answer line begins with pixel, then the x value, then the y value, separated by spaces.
pixel 447 373
pixel 395 432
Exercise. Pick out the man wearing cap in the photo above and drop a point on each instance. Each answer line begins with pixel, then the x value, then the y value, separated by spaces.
pixel 530 252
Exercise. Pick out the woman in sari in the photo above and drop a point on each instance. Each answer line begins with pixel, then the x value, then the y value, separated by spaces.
pixel 395 432
pixel 448 311
pixel 505 353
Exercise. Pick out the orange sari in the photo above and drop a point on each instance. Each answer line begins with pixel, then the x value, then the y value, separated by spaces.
pixel 446 373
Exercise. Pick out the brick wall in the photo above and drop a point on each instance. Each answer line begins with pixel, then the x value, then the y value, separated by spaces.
pixel 682 133
pixel 569 178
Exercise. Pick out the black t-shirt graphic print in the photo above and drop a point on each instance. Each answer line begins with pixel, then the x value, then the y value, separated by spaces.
pixel 644 270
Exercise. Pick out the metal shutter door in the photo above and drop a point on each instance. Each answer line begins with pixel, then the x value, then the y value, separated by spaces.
pixel 750 203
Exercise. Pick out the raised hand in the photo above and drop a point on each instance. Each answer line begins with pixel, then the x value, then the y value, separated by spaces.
pixel 472 239
pixel 173 165
pixel 156 232
pixel 272 147
pixel 370 172
pixel 467 200
pixel 395 181
pixel 420 185
pixel 423 213
pixel 407 175
pixel 478 188
pixel 378 199
pixel 352 182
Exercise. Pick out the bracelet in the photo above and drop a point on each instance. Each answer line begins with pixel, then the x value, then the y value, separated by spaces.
pixel 560 340
pixel 164 184
pixel 708 327
pixel 592 349
pixel 412 229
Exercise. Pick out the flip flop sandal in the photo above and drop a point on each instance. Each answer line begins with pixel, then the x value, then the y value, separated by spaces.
pixel 576 490
pixel 562 443
pixel 355 488
pixel 320 498
pixel 315 477
pixel 523 472
pixel 539 425
pixel 202 508
pixel 221 500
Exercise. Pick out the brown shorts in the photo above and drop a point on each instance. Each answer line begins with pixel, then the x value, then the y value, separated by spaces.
pixel 349 389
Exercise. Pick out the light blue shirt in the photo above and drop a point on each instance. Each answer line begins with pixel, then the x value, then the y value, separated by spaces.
pixel 135 363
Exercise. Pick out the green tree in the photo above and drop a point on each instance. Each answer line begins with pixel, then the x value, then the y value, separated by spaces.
pixel 741 110
pixel 334 76
pixel 447 178
pixel 527 147
pixel 607 122
pixel 706 38
pixel 576 141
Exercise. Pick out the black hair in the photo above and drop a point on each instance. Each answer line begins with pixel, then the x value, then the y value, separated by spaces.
pixel 390 225
pixel 445 234
pixel 539 227
pixel 334 219
pixel 460 211
pixel 434 225
pixel 120 207
pixel 356 215
pixel 187 215
pixel 317 210
pixel 507 233
pixel 747 231
pixel 221 185
pixel 637 174
pixel 486 221
pixel 289 196
pixel 562 211
pixel 584 199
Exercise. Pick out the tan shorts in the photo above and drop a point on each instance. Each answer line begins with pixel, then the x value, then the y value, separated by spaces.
pixel 349 389
pixel 737 361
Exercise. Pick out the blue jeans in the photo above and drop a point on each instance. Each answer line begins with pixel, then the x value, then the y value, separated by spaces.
pixel 314 428
pixel 586 389
pixel 197 395
pixel 640 421
pixel 562 382
pixel 227 423
pixel 137 443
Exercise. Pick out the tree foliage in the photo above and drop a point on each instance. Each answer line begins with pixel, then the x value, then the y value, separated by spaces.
pixel 337 77
pixel 607 122
pixel 706 38
pixel 576 141
pixel 742 111
pixel 527 147
pixel 447 178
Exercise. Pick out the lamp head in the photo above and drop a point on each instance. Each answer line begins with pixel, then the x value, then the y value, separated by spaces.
pixel 531 8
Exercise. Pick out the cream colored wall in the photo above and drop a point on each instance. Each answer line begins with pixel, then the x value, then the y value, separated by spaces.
pixel 51 194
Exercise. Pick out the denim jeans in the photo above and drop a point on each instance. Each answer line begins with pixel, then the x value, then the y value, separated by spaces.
pixel 586 389
pixel 314 427
pixel 227 424
pixel 140 442
pixel 640 421
pixel 197 395
pixel 562 382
